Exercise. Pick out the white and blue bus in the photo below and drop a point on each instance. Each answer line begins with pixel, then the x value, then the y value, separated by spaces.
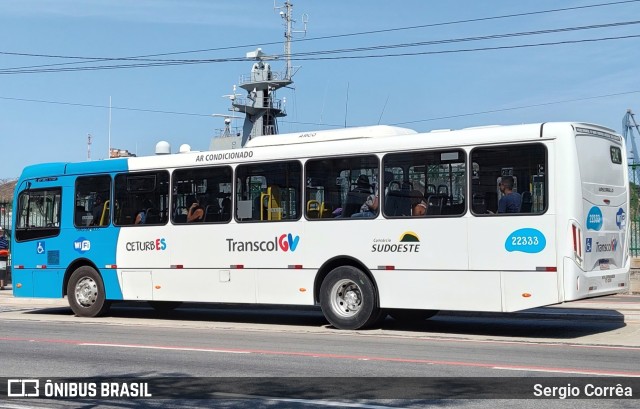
pixel 363 222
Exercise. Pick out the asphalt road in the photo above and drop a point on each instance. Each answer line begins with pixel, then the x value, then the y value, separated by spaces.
pixel 295 344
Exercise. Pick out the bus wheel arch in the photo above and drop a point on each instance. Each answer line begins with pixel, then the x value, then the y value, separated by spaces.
pixel 85 290
pixel 331 264
pixel 348 294
pixel 73 267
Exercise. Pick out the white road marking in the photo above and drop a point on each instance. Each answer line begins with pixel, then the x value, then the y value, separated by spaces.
pixel 222 351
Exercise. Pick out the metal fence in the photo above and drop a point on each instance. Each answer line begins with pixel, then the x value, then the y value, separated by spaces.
pixel 634 216
pixel 5 215
pixel 5 223
pixel 634 220
pixel 634 246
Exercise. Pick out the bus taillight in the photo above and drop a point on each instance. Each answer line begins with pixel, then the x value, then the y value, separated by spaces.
pixel 577 243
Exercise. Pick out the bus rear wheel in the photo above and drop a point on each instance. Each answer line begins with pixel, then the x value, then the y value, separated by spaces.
pixel 348 299
pixel 86 294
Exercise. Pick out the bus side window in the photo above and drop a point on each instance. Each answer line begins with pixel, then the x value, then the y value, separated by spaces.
pixel 338 187
pixel 269 192
pixel 92 198
pixel 209 187
pixel 510 179
pixel 429 183
pixel 142 198
pixel 39 213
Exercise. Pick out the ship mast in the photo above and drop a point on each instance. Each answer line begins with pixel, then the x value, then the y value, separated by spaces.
pixel 260 106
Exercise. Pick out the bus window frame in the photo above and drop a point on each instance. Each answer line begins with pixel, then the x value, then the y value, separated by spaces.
pixel 173 188
pixel 237 182
pixel 48 232
pixel 406 174
pixel 509 145
pixel 104 200
pixel 127 190
pixel 351 181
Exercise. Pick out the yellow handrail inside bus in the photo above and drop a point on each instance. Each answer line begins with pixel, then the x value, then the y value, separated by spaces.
pixel 105 214
pixel 324 211
pixel 274 211
pixel 313 209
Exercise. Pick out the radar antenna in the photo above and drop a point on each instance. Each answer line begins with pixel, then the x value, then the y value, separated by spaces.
pixel 227 124
pixel 286 12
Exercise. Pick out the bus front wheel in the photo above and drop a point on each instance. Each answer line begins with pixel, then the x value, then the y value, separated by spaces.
pixel 348 299
pixel 86 294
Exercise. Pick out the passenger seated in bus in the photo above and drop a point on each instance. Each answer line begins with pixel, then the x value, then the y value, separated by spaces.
pixel 362 184
pixel 370 207
pixel 225 212
pixel 511 201
pixel 141 216
pixel 419 209
pixel 98 207
pixel 195 212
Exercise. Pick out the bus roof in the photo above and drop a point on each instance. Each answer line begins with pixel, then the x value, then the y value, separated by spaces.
pixel 357 140
pixel 65 168
pixel 376 131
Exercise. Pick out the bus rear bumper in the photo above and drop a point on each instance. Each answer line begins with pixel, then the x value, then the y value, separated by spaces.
pixel 579 284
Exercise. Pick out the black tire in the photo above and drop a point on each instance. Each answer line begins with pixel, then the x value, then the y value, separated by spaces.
pixel 86 294
pixel 164 307
pixel 348 299
pixel 409 316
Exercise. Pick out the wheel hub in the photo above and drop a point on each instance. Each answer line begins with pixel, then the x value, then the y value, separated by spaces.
pixel 86 292
pixel 347 298
pixel 352 299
